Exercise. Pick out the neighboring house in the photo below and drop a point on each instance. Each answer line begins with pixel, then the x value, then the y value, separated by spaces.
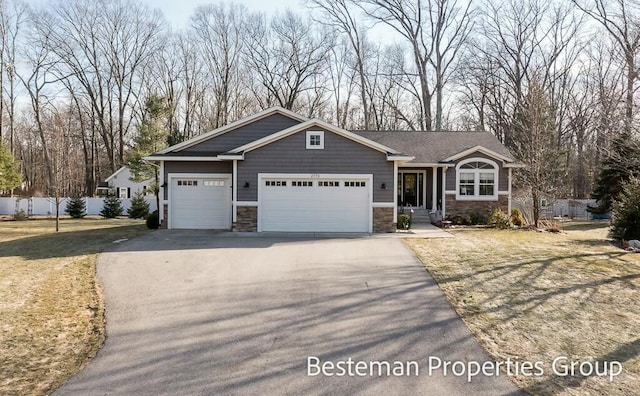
pixel 279 171
pixel 121 185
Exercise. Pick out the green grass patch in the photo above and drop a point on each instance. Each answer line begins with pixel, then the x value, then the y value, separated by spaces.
pixel 50 303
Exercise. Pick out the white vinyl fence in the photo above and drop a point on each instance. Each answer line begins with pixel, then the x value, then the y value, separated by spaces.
pixel 47 206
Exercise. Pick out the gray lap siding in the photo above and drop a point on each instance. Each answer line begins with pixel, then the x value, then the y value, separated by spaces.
pixel 339 156
pixel 245 134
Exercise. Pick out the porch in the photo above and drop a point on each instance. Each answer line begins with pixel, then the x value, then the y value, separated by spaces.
pixel 420 189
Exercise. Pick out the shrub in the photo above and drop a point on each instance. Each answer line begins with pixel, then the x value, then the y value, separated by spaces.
pixel 404 221
pixel 153 221
pixel 76 207
pixel 139 207
pixel 477 218
pixel 499 219
pixel 626 211
pixel 20 216
pixel 517 218
pixel 111 208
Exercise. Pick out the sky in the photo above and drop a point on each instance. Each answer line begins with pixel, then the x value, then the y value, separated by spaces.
pixel 177 12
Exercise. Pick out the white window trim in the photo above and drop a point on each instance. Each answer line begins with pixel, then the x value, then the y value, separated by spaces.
pixel 315 133
pixel 476 172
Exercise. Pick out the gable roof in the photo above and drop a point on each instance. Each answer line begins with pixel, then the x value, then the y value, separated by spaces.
pixel 116 173
pixel 234 125
pixel 315 123
pixel 436 147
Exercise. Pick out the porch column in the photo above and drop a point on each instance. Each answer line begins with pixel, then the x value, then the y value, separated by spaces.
pixel 444 189
pixel 234 193
pixel 395 191
pixel 434 193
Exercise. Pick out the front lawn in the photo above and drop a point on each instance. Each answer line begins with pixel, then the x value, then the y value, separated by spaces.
pixel 538 296
pixel 50 307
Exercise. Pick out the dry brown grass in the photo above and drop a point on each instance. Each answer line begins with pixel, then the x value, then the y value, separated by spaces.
pixel 537 296
pixel 50 305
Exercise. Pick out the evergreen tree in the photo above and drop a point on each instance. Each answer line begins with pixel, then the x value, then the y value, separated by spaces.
pixel 626 210
pixel 616 170
pixel 10 176
pixel 111 208
pixel 152 137
pixel 76 207
pixel 139 207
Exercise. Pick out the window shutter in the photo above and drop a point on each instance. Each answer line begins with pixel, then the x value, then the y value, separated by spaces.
pixel 128 192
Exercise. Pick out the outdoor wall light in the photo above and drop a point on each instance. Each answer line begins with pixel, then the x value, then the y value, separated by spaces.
pixel 383 186
pixel 163 185
pixel 246 184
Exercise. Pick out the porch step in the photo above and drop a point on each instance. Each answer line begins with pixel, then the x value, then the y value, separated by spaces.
pixel 420 216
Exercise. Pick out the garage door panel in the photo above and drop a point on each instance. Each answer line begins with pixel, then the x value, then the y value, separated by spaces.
pixel 314 208
pixel 200 203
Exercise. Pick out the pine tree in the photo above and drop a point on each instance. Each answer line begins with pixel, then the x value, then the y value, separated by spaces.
pixel 76 207
pixel 10 177
pixel 139 207
pixel 152 137
pixel 111 208
pixel 616 170
pixel 626 210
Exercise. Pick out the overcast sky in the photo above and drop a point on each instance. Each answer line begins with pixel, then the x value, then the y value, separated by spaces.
pixel 178 11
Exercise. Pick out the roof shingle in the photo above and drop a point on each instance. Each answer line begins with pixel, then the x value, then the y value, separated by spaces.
pixel 434 147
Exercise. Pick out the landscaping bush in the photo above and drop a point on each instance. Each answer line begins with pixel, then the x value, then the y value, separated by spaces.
pixel 458 220
pixel 139 207
pixel 499 219
pixel 517 218
pixel 626 211
pixel 477 219
pixel 404 221
pixel 111 208
pixel 153 221
pixel 20 216
pixel 76 207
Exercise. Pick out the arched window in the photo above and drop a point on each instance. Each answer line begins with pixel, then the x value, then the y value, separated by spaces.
pixel 477 178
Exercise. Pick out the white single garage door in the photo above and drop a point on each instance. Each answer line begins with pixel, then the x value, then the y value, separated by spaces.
pixel 200 202
pixel 328 204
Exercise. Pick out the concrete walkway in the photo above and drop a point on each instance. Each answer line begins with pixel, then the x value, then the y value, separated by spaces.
pixel 194 313
pixel 424 230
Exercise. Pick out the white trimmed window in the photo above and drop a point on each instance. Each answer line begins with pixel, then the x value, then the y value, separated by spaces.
pixel 315 140
pixel 476 179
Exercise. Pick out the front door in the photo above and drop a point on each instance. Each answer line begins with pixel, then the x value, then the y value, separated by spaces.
pixel 410 189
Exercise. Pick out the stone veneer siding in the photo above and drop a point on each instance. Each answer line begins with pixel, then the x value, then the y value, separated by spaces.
pixel 383 220
pixel 467 208
pixel 165 219
pixel 246 219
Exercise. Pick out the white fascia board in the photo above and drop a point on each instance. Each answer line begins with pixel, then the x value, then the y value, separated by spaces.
pixel 180 158
pixel 427 165
pixel 399 158
pixel 115 174
pixel 234 125
pixel 309 124
pixel 231 157
pixel 514 165
pixel 481 149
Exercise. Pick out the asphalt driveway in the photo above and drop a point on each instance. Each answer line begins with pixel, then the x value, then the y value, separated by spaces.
pixel 202 313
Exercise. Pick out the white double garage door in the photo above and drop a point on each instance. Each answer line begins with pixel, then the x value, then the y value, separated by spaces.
pixel 286 203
